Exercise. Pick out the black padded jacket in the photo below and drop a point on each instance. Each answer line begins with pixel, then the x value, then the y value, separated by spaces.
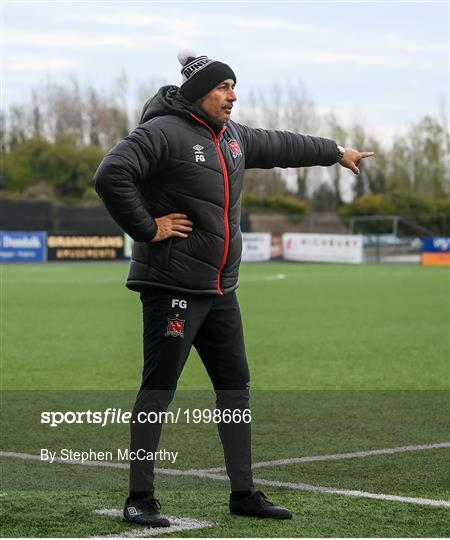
pixel 177 161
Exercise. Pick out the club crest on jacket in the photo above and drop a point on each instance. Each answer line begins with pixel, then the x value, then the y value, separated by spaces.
pixel 235 148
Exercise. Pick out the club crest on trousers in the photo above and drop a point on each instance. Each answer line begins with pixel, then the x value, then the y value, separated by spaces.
pixel 175 327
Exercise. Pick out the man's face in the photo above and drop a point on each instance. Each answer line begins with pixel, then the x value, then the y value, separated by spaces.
pixel 218 103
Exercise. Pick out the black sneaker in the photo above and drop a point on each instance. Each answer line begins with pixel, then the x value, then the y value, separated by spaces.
pixel 145 512
pixel 258 505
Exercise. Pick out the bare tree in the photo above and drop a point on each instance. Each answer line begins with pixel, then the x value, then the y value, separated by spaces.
pixel 60 110
pixel 418 160
pixel 301 117
pixel 37 115
pixel 287 108
pixel 358 138
pixel 429 145
pixel 400 165
pixel 93 116
pixel 340 135
pixel 17 125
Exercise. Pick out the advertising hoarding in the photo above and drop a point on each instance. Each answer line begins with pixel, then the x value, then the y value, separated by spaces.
pixel 436 251
pixel 256 247
pixel 23 246
pixel 334 248
pixel 77 247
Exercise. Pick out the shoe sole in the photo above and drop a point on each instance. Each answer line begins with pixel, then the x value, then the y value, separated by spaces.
pixel 144 524
pixel 261 517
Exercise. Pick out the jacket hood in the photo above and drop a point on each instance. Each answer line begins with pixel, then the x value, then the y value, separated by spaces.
pixel 168 100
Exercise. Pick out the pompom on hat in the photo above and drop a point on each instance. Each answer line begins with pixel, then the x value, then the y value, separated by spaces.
pixel 200 74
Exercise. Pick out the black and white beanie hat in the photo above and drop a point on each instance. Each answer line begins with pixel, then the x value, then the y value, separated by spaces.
pixel 200 75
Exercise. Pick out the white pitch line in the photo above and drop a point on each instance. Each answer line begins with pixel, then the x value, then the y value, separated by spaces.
pixel 274 277
pixel 177 525
pixel 333 457
pixel 273 483
pixel 439 503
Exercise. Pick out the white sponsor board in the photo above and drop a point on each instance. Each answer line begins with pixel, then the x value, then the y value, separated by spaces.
pixel 256 246
pixel 337 248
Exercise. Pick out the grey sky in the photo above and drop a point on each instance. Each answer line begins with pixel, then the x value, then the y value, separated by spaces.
pixel 382 63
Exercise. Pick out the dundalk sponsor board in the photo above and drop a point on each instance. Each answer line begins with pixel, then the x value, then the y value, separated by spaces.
pixel 18 246
pixel 256 247
pixel 78 247
pixel 337 248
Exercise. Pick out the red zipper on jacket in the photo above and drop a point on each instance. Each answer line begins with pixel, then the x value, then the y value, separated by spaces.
pixel 227 197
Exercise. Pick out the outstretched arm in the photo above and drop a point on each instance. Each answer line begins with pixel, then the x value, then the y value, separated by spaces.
pixel 266 148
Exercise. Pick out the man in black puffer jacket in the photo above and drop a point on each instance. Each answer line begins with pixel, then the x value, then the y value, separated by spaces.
pixel 174 185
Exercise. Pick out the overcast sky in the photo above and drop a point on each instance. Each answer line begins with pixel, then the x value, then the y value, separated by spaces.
pixel 382 63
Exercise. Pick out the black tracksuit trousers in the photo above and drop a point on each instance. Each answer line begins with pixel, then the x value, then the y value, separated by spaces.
pixel 173 322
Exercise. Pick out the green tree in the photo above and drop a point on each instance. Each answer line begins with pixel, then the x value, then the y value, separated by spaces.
pixel 420 160
pixel 23 164
pixel 274 203
pixel 66 166
pixel 399 177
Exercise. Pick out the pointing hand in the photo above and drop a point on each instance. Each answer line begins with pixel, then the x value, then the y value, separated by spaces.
pixel 352 158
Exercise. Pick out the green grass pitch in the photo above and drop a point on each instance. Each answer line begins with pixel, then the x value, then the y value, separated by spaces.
pixel 342 358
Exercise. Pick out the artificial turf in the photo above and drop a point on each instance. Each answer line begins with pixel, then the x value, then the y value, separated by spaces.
pixel 343 358
pixel 75 326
